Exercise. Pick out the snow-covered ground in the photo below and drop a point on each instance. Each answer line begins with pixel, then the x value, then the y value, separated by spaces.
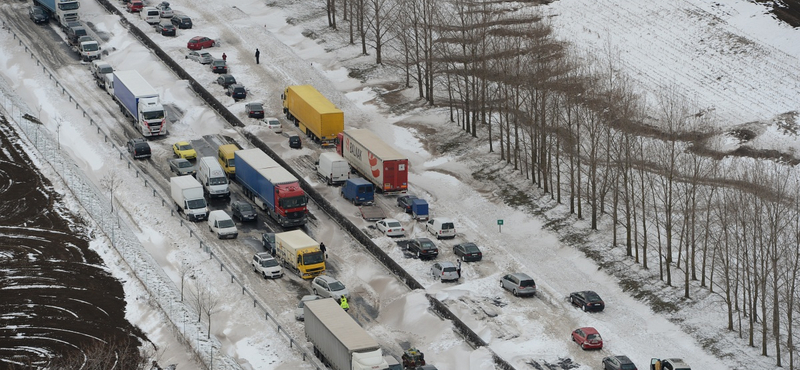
pixel 732 59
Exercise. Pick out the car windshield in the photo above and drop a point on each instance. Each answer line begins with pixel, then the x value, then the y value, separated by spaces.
pixel 226 223
pixel 184 164
pixel 196 203
pixel 269 262
pixel 38 11
pixel 218 181
pixel 106 69
pixel 592 297
pixel 245 207
pixel 336 286
pixel 393 224
pixel 184 147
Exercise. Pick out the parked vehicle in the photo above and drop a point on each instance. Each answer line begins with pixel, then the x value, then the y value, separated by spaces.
pixel 271 187
pixel 372 212
pixel 332 168
pixel 221 224
pixel 268 241
pixel 441 227
pixel 390 227
pixel 200 42
pixel 587 300
pixel 328 287
pixel 413 358
pixel 358 191
pixel 63 13
pixel 587 338
pixel 139 148
pixel 299 311
pixel 150 15
pixel 37 14
pixel 422 248
pixel 404 202
pixel 518 284
pixel 202 57
pixel 219 66
pixel 419 209
pixel 315 115
pixel 243 211
pixel 299 253
pixel 83 44
pixel 181 166
pixel 166 29
pixel 164 10
pixel 618 363
pixel 182 21
pixel 140 102
pixel 467 252
pixel 225 80
pixel 225 157
pixel 294 142
pixel 187 194
pixel 338 340
pixel 254 110
pixel 237 92
pixel 135 6
pixel 670 364
pixel 267 266
pixel 184 149
pixel 102 72
pixel 445 271
pixel 273 124
pixel 374 159
pixel 213 178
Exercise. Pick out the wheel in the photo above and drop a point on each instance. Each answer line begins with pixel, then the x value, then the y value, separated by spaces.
pixel 264 274
pixel 583 345
pixel 515 292
pixel 255 269
pixel 210 229
pixel 315 291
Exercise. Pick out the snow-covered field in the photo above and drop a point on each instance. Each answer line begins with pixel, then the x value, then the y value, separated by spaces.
pixel 733 59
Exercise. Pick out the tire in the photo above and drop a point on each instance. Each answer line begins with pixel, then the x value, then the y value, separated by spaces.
pixel 315 291
pixel 264 274
pixel 516 294
pixel 583 346
pixel 255 269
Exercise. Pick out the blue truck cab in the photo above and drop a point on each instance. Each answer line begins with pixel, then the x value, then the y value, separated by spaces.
pixel 358 191
pixel 419 209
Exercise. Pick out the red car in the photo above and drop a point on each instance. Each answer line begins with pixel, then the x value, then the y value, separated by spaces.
pixel 587 338
pixel 200 42
pixel 135 6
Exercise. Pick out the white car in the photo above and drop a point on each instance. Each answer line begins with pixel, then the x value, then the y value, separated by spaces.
pixel 273 124
pixel 267 266
pixel 328 287
pixel 390 227
pixel 166 11
pixel 298 312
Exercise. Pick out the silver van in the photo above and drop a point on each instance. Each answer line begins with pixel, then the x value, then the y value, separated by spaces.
pixel 211 175
pixel 518 284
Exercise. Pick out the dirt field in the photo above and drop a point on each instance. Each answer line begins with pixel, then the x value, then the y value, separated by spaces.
pixel 59 302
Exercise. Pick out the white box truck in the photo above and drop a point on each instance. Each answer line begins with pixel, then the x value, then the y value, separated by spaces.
pixel 213 178
pixel 187 194
pixel 140 101
pixel 338 340
pixel 333 168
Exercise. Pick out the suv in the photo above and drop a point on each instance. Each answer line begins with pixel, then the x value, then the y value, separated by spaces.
pixel 670 364
pixel 264 264
pixel 182 21
pixel 37 14
pixel 139 148
pixel 268 241
pixel 519 284
pixel 236 91
pixel 243 211
pixel 422 248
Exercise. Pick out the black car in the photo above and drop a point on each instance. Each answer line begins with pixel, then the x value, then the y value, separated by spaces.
pixel 226 80
pixel 243 211
pixel 422 248
pixel 618 363
pixel 219 66
pixel 166 29
pixel 294 142
pixel 268 241
pixel 139 148
pixel 254 110
pixel 468 252
pixel 37 14
pixel 404 202
pixel 236 91
pixel 587 301
pixel 181 21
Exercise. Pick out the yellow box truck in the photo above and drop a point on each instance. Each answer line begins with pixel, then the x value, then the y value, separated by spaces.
pixel 300 253
pixel 315 115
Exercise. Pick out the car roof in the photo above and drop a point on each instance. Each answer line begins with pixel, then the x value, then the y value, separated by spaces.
pixel 421 240
pixel 624 359
pixel 678 361
pixel 467 244
pixel 236 86
pixel 521 276
pixel 270 119
pixel 442 219
pixel 327 278
pixel 179 160
pixel 264 255
pixel 390 220
pixel 589 330
pixel 446 264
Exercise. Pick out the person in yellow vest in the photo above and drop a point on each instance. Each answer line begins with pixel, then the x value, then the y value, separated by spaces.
pixel 344 304
pixel 657 365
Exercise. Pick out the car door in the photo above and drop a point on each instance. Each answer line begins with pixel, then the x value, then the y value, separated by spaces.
pixel 578 336
pixel 506 282
pixel 429 226
pixel 436 270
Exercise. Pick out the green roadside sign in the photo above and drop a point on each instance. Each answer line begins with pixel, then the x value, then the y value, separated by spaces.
pixel 500 226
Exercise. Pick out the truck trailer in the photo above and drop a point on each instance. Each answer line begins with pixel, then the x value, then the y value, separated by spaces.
pixel 63 11
pixel 271 187
pixel 300 253
pixel 338 340
pixel 187 194
pixel 140 101
pixel 315 115
pixel 377 161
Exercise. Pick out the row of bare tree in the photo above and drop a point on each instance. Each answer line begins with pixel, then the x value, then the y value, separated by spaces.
pixel 578 129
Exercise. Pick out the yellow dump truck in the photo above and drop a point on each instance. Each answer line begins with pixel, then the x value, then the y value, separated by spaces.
pixel 299 253
pixel 315 115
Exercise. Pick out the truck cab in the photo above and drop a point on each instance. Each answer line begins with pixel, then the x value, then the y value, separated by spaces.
pixel 88 48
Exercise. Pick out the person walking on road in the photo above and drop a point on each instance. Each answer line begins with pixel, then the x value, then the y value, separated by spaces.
pixel 323 249
pixel 224 57
pixel 458 269
pixel 258 54
pixel 344 304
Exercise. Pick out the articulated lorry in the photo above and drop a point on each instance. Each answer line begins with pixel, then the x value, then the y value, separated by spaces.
pixel 378 162
pixel 187 194
pixel 315 115
pixel 140 101
pixel 63 11
pixel 300 253
pixel 338 340
pixel 271 187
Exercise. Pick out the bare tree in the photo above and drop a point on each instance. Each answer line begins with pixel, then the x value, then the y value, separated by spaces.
pixel 111 182
pixel 205 302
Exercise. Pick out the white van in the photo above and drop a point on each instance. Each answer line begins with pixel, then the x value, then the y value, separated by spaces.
pixel 151 15
pixel 213 178
pixel 441 227
pixel 221 224
pixel 333 168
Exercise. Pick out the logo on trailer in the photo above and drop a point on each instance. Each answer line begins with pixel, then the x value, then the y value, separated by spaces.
pixel 373 162
pixel 354 150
